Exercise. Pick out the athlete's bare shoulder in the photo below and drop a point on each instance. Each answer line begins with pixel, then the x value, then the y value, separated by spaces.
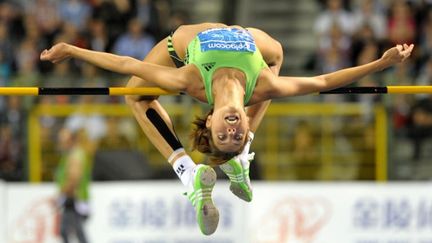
pixel 193 29
pixel 196 28
pixel 270 48
pixel 185 33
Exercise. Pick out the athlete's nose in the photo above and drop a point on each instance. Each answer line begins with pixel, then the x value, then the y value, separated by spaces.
pixel 231 130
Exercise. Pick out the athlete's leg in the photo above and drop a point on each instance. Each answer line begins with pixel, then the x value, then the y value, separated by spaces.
pixel 158 127
pixel 152 117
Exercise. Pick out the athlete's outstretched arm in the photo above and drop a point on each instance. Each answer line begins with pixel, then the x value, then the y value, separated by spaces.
pixel 291 86
pixel 167 78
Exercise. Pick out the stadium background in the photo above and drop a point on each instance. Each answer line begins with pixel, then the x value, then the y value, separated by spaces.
pixel 373 151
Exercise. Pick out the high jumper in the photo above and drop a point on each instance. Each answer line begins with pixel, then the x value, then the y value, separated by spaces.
pixel 230 68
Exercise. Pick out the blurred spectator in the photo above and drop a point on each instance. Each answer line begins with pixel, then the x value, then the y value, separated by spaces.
pixel 12 136
pixel 147 15
pixel 15 116
pixel 422 15
pixel 144 12
pixel 94 123
pixel 115 14
pixel 10 154
pixel 6 55
pixel 420 126
pixel 401 24
pixel 61 76
pixel 304 151
pixel 177 19
pixel 135 43
pixel 75 12
pixel 425 76
pixel 11 14
pixel 368 15
pixel 27 59
pixel 363 39
pixel 334 49
pixel 46 15
pixel 334 14
pixel 73 178
pixel 70 34
pixel 91 76
pixel 98 39
pixel 369 52
pixel 400 104
pixel 32 33
pixel 49 127
pixel 360 136
pixel 114 139
pixel 163 12
pixel 425 39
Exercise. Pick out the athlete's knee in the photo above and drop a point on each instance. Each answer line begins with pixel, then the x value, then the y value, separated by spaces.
pixel 135 82
pixel 132 100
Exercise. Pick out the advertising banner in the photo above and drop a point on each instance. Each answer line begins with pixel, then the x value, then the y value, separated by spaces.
pixel 345 212
pixel 157 212
pixel 2 212
pixel 122 213
pixel 32 214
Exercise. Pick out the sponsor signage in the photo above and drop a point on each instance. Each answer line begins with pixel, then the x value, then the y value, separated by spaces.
pixel 345 212
pixel 226 40
pixel 2 212
pixel 150 212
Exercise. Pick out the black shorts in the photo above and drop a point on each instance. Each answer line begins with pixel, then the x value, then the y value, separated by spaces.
pixel 176 59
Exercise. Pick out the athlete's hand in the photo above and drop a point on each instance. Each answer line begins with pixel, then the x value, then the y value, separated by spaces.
pixel 57 53
pixel 245 157
pixel 397 54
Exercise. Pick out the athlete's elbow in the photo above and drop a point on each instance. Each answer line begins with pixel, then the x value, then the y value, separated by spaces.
pixel 279 53
pixel 180 80
pixel 129 65
pixel 321 82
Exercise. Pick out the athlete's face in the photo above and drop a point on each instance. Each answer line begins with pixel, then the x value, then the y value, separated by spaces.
pixel 229 127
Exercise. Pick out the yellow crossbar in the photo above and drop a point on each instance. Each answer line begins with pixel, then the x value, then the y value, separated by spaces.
pixel 154 91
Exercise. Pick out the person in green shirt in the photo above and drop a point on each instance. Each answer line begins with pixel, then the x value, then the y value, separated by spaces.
pixel 73 176
pixel 230 68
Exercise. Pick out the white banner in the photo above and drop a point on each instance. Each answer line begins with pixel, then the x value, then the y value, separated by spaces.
pixel 31 213
pixel 2 212
pixel 156 212
pixel 355 213
pixel 159 213
pixel 123 213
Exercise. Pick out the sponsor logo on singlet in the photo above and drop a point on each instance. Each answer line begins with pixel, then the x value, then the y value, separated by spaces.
pixel 226 39
pixel 208 66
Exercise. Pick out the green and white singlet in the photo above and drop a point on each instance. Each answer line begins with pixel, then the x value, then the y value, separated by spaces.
pixel 226 47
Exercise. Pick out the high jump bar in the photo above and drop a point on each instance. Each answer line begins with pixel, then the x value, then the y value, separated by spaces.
pixel 153 91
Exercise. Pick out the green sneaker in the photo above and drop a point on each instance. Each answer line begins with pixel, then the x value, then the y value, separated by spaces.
pixel 207 214
pixel 238 174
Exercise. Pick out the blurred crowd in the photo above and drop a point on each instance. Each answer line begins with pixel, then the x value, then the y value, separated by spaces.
pixel 124 27
pixel 349 32
pixel 355 32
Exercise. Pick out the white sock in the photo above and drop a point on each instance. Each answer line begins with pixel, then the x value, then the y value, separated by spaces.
pixel 183 167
